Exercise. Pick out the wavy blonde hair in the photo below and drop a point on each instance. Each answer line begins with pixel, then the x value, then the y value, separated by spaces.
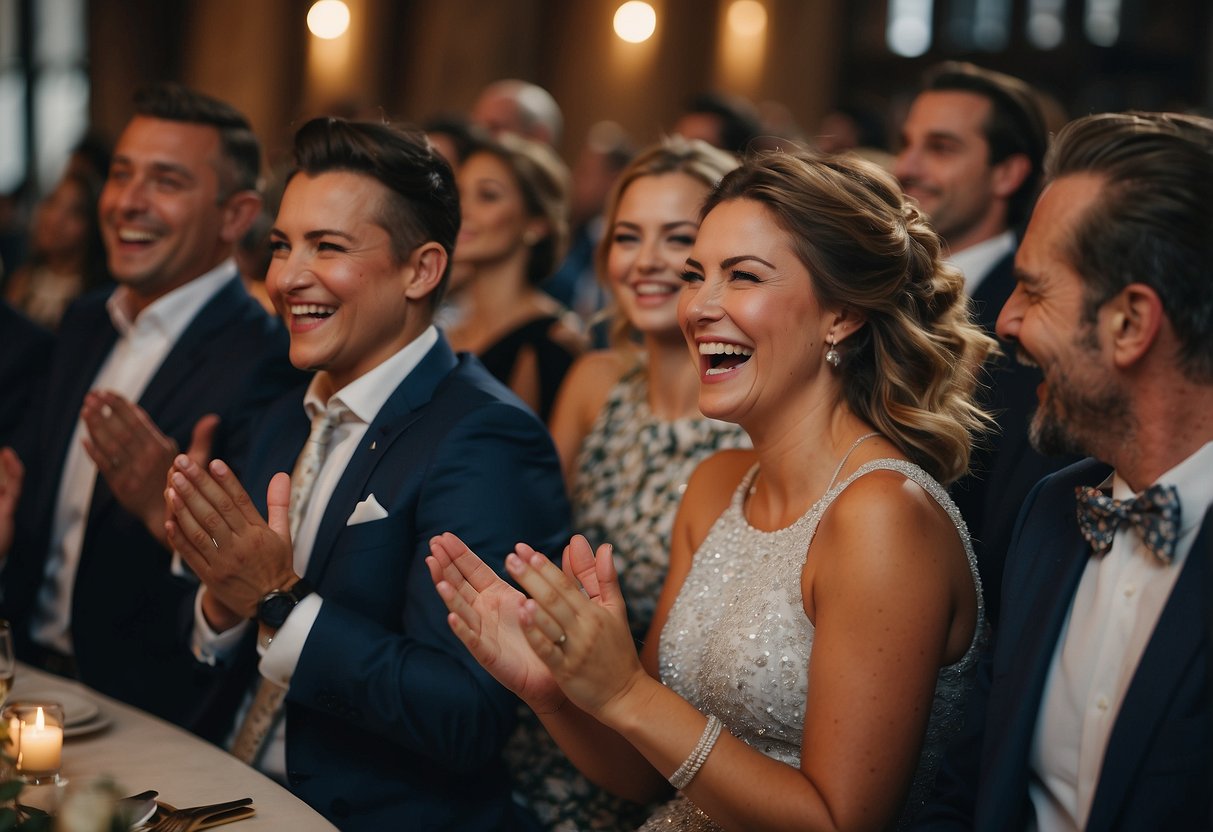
pixel 691 157
pixel 911 370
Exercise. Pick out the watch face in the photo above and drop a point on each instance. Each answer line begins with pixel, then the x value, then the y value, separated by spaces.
pixel 274 609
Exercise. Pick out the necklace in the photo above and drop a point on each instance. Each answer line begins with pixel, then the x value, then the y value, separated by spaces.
pixel 837 471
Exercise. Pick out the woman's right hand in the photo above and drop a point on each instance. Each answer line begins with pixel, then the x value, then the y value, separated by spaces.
pixel 484 615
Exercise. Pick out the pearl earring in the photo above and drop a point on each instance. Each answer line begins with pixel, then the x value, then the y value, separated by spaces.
pixel 833 356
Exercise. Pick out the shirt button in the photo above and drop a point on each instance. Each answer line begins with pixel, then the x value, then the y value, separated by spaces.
pixel 1130 589
pixel 1101 702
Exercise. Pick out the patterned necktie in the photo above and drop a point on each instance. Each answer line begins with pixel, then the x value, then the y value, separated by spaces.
pixel 266 707
pixel 311 460
pixel 1154 513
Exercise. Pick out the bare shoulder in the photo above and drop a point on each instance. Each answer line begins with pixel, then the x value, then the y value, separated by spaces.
pixel 589 381
pixel 566 333
pixel 885 527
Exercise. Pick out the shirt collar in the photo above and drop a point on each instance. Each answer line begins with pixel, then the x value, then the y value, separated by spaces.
pixel 977 260
pixel 366 395
pixel 171 313
pixel 1191 478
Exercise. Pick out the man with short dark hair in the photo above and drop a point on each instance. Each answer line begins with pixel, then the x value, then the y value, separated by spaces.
pixel 177 350
pixel 972 148
pixel 386 715
pixel 1093 711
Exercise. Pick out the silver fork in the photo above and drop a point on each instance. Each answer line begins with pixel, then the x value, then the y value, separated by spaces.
pixel 170 819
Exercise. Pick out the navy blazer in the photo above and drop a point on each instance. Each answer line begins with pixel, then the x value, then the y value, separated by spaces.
pixel 23 361
pixel 126 605
pixel 391 724
pixel 1004 466
pixel 1155 772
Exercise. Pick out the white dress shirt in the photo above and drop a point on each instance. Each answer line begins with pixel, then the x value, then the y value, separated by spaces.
pixel 143 344
pixel 1118 603
pixel 977 260
pixel 365 397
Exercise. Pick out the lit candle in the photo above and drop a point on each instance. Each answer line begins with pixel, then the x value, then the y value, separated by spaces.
pixel 41 746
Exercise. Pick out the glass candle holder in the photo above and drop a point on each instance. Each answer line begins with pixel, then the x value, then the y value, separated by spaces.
pixel 35 740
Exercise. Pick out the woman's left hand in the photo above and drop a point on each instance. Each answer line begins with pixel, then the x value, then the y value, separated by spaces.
pixel 584 641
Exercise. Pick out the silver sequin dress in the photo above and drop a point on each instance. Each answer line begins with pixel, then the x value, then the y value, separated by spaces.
pixel 737 641
pixel 631 471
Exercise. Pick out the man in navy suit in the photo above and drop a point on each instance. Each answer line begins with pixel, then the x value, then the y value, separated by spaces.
pixel 1092 712
pixel 135 373
pixel 972 149
pixel 387 716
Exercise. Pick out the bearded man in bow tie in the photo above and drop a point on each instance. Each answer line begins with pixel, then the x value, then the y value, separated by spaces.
pixel 1093 710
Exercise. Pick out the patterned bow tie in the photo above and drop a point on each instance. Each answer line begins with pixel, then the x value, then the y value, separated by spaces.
pixel 1154 513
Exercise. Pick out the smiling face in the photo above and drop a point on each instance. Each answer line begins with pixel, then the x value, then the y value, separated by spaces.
pixel 334 278
pixel 1045 315
pixel 944 164
pixel 750 316
pixel 161 212
pixel 495 218
pixel 655 225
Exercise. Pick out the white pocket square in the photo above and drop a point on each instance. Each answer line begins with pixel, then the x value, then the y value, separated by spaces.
pixel 366 511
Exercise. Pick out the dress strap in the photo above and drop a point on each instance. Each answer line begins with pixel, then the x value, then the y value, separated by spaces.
pixel 847 456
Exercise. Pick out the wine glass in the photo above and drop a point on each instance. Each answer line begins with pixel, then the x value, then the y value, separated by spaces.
pixel 8 660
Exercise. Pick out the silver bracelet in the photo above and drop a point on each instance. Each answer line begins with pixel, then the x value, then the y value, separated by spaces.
pixel 686 772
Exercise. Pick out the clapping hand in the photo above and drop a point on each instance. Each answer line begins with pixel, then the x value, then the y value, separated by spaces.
pixel 486 614
pixel 214 526
pixel 12 472
pixel 133 454
pixel 582 638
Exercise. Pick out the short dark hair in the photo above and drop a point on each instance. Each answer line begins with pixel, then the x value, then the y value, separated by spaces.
pixel 1016 123
pixel 423 203
pixel 1153 222
pixel 739 121
pixel 237 142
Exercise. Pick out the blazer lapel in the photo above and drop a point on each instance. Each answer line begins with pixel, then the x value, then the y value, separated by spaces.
pixel 1055 584
pixel 176 369
pixel 1179 636
pixel 401 410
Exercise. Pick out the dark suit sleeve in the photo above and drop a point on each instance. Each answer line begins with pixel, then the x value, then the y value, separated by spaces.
pixel 953 803
pixel 494 480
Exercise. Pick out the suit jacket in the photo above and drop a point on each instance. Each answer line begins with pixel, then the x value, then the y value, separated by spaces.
pixel 1006 467
pixel 23 362
pixel 1155 771
pixel 126 608
pixel 390 723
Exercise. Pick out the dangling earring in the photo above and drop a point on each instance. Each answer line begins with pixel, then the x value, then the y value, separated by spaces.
pixel 833 356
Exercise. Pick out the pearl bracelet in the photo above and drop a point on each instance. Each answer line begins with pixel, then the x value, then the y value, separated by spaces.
pixel 686 772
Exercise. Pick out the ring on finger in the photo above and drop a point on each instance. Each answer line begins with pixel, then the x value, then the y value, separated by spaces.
pixel 215 543
pixel 563 638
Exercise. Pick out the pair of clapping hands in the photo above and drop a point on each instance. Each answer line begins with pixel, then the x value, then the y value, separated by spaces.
pixel 565 639
pixel 129 451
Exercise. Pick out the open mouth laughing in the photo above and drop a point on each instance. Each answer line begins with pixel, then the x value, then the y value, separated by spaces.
pixel 719 357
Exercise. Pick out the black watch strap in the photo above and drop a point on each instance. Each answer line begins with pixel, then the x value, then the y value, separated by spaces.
pixel 273 609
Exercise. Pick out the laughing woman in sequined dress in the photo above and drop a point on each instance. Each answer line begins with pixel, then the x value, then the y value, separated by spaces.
pixel 629 432
pixel 821 616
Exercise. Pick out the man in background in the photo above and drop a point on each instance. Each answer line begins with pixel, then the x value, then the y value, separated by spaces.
pixel 972 149
pixel 177 355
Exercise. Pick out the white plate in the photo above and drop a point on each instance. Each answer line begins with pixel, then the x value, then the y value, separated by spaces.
pixel 77 708
pixel 81 729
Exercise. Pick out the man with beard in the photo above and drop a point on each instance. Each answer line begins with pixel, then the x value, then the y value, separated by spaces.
pixel 972 147
pixel 1092 711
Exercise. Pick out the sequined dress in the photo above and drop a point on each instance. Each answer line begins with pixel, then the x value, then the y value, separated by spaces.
pixel 737 641
pixel 631 471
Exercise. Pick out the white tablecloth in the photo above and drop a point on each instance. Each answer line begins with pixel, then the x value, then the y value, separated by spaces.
pixel 139 751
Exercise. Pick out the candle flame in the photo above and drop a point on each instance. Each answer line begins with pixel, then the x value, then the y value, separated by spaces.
pixel 39 721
